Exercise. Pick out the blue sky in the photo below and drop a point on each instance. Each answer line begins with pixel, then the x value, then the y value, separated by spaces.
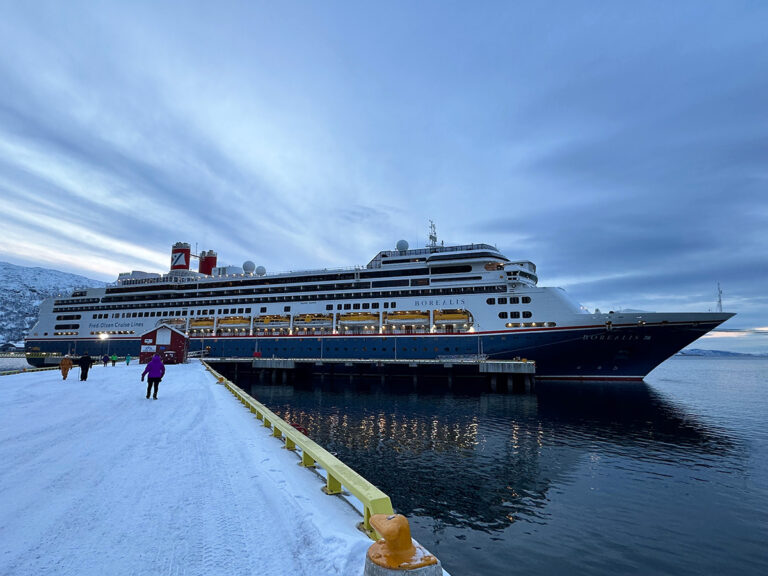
pixel 621 146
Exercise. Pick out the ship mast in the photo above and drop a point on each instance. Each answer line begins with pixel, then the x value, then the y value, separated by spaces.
pixel 719 298
pixel 432 236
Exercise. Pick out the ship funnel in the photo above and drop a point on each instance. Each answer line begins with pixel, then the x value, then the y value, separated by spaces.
pixel 207 262
pixel 180 256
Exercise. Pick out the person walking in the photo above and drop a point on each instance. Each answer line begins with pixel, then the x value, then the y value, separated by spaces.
pixel 105 359
pixel 154 371
pixel 114 359
pixel 85 362
pixel 65 366
pixel 127 359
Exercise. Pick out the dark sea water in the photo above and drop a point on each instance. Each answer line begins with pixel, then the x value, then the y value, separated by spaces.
pixel 665 477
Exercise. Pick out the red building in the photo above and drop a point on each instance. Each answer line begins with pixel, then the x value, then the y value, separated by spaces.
pixel 170 343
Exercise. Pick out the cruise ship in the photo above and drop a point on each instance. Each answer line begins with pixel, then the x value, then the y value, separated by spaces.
pixel 437 302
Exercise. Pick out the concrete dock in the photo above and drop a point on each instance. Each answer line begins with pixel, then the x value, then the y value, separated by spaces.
pixel 482 375
pixel 97 479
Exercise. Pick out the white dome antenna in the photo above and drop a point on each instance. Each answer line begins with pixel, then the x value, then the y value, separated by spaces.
pixel 248 267
pixel 402 245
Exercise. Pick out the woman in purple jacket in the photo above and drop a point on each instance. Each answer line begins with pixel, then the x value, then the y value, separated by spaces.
pixel 155 370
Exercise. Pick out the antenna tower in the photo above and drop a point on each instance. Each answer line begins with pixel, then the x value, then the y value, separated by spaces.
pixel 719 298
pixel 432 235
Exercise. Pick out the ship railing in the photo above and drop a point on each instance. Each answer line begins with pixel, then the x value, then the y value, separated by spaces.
pixel 337 474
pixel 436 249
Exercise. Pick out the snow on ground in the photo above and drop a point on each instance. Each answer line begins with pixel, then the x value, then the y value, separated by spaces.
pixel 96 479
pixel 13 364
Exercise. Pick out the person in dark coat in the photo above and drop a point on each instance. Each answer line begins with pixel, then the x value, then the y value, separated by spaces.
pixel 85 362
pixel 105 359
pixel 155 371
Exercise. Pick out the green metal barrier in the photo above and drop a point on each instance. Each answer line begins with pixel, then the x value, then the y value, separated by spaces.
pixel 312 454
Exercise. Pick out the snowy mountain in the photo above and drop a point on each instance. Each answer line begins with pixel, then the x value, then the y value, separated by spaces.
pixel 22 289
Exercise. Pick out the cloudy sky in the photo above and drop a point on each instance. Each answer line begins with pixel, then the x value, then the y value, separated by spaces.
pixel 621 146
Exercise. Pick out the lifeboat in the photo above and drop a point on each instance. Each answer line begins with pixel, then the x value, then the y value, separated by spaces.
pixel 408 317
pixel 271 321
pixel 452 317
pixel 358 318
pixel 234 321
pixel 178 323
pixel 313 320
pixel 201 323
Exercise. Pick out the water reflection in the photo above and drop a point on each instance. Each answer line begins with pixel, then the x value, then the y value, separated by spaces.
pixel 487 460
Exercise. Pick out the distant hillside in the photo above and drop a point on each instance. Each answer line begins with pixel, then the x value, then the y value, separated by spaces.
pixel 717 353
pixel 22 289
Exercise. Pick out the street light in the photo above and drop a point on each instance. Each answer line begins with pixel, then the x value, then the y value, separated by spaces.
pixel 104 336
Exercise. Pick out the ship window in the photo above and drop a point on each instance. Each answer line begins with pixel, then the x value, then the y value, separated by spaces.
pixel 393 304
pixel 329 306
pixel 527 314
pixel 386 304
pixel 247 310
pixel 490 301
pixel 502 314
pixel 366 306
pixel 152 314
pixel 263 309
pixel 375 305
pixel 355 306
pixel 526 300
pixel 514 300
pixel 514 314
pixel 502 301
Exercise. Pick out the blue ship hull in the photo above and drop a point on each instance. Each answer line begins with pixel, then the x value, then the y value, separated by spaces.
pixel 586 353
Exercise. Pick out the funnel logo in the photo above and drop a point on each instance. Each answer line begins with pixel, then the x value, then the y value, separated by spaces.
pixel 177 259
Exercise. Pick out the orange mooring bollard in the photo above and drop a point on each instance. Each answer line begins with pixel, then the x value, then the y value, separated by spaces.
pixel 396 552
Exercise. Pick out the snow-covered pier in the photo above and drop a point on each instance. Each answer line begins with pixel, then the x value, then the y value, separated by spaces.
pixel 97 479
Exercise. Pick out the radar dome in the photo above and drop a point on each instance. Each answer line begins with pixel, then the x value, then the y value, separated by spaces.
pixel 248 267
pixel 402 245
pixel 260 271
